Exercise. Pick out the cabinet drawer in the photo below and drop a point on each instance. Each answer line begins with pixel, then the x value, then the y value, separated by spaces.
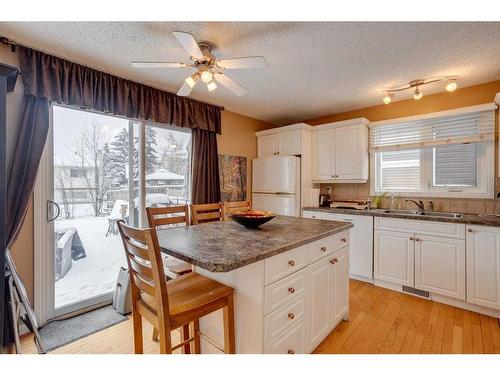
pixel 282 265
pixel 284 318
pixel 284 291
pixel 340 240
pixel 321 248
pixel 293 341
pixel 432 228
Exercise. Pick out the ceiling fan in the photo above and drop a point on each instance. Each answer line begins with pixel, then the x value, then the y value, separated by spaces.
pixel 208 67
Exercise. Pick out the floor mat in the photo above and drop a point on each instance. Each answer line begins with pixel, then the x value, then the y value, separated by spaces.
pixel 59 333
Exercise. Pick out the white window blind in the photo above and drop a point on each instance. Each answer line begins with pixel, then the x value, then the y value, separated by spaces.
pixel 455 165
pixel 399 170
pixel 470 125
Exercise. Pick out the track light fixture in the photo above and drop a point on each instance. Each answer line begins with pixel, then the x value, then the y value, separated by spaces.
pixel 451 85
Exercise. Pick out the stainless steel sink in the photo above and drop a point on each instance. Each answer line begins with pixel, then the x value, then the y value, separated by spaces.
pixel 452 215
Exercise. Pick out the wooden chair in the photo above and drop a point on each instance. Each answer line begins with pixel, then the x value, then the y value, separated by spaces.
pixel 169 305
pixel 230 207
pixel 204 213
pixel 159 217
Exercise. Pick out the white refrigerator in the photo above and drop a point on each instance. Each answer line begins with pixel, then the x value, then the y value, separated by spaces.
pixel 276 184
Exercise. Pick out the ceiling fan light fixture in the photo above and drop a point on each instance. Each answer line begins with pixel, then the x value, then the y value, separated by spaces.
pixel 388 98
pixel 418 94
pixel 211 86
pixel 191 80
pixel 451 85
pixel 207 76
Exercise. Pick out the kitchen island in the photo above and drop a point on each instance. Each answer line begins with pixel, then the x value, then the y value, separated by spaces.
pixel 291 279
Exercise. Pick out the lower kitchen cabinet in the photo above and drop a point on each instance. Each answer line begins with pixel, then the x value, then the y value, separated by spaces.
pixel 440 265
pixel 329 301
pixel 339 280
pixel 483 266
pixel 394 257
pixel 321 300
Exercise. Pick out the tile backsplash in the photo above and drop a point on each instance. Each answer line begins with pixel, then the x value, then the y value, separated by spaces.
pixel 462 205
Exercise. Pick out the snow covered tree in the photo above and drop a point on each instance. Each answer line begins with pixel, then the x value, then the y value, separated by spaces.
pixel 150 146
pixel 119 157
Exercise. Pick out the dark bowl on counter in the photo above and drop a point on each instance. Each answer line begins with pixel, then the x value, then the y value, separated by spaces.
pixel 252 218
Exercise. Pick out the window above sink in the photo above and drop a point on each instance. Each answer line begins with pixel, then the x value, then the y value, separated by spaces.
pixel 445 154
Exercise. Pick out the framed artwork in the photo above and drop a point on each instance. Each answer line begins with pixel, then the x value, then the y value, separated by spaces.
pixel 233 178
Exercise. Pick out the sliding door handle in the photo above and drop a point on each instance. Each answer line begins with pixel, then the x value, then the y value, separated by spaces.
pixel 50 210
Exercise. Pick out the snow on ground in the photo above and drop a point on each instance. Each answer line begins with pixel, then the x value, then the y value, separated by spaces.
pixel 96 274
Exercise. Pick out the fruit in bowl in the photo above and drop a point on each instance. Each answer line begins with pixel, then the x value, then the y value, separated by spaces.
pixel 252 218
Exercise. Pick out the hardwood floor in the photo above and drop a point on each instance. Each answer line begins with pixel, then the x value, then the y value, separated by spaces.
pixel 381 321
pixel 385 321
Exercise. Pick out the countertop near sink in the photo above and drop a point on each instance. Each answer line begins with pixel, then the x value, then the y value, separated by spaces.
pixel 488 220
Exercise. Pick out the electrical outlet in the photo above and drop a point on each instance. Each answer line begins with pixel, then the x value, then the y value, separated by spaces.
pixel 328 189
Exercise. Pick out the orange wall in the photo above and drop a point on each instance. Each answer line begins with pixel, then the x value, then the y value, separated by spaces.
pixel 467 96
pixel 238 139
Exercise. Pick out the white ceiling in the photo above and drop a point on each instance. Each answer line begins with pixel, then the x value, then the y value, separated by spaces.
pixel 315 68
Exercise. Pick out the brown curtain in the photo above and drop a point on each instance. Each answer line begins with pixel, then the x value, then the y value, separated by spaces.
pixel 205 168
pixel 65 82
pixel 32 133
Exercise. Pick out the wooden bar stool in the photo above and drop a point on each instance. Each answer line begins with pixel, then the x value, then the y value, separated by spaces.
pixel 204 213
pixel 169 305
pixel 167 217
pixel 230 207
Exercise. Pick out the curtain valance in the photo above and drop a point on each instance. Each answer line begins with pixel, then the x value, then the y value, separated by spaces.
pixel 65 82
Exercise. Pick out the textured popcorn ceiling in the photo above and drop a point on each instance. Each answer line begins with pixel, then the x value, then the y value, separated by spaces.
pixel 315 68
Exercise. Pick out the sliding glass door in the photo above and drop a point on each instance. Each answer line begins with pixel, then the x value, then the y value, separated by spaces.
pixel 99 169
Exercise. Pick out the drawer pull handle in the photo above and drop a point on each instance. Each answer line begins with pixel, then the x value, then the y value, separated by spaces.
pixel 313 217
pixel 333 261
pixel 470 230
pixel 291 351
pixel 291 263
pixel 417 239
pixel 291 316
pixel 344 240
pixel 323 248
pixel 291 290
pixel 411 238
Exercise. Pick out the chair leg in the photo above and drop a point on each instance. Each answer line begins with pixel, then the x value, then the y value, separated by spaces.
pixel 155 335
pixel 196 333
pixel 229 340
pixel 185 335
pixel 137 320
pixel 165 341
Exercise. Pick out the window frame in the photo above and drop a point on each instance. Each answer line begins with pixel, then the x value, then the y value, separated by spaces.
pixel 485 175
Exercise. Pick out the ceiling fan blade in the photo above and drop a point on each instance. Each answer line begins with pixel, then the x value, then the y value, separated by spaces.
pixel 232 85
pixel 189 43
pixel 159 64
pixel 251 62
pixel 185 89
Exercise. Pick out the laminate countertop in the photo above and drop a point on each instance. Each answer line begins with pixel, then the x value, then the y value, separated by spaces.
pixel 225 246
pixel 488 220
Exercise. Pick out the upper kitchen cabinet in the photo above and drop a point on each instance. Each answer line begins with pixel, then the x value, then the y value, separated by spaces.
pixel 287 140
pixel 340 152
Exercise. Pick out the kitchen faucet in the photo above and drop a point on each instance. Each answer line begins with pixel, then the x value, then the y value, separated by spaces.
pixel 419 204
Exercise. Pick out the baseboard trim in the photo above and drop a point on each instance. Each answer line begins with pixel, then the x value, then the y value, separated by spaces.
pixel 362 278
pixel 442 299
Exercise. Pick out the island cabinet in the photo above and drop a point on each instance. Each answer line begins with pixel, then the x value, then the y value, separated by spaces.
pixel 287 303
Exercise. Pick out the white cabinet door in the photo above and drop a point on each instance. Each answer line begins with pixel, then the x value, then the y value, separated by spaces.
pixel 348 154
pixel 339 282
pixel 483 266
pixel 320 297
pixel 440 265
pixel 323 155
pixel 289 143
pixel 267 145
pixel 394 257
